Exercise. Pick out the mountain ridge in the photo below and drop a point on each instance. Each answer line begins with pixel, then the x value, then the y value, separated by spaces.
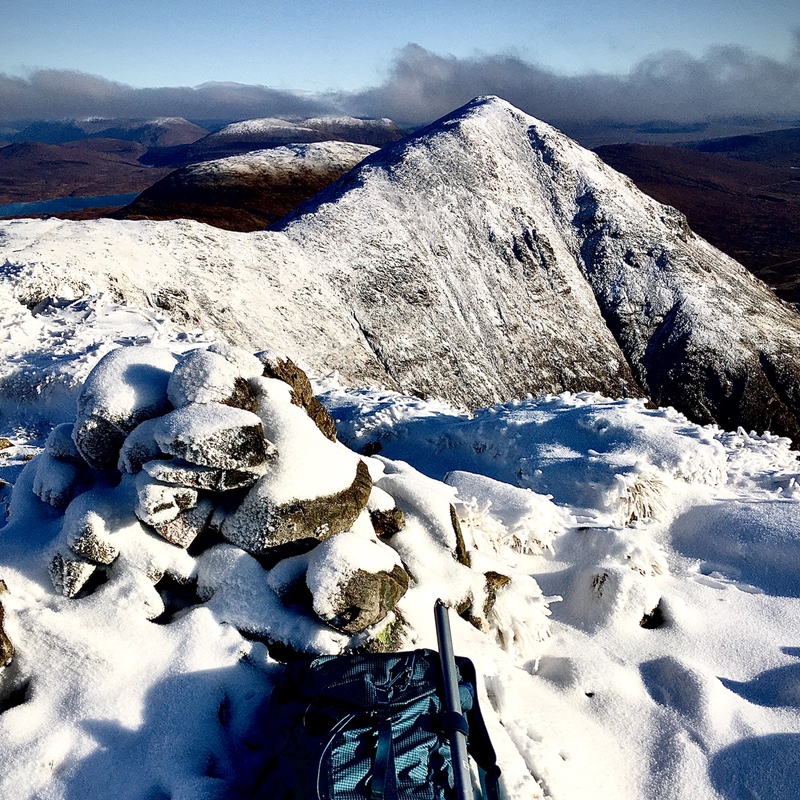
pixel 481 259
pixel 614 235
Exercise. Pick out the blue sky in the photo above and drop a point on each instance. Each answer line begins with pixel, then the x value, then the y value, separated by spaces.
pixel 569 60
pixel 349 44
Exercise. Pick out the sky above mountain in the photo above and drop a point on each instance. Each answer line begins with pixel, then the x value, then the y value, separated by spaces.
pixel 398 59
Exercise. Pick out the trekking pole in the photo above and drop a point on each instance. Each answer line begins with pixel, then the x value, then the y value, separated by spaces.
pixel 454 722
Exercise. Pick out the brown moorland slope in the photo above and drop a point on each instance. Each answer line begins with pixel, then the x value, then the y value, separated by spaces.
pixel 32 171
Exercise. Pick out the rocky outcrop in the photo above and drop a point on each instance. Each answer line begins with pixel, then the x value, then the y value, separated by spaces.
pixel 6 647
pixel 194 470
pixel 283 368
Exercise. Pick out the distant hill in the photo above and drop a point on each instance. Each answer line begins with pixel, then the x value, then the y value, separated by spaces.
pixel 161 132
pixel 748 210
pixel 36 171
pixel 260 134
pixel 778 148
pixel 246 192
pixel 111 157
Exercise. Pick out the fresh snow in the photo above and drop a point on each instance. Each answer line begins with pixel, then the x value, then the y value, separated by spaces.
pixel 480 259
pixel 605 513
pixel 291 159
pixel 579 696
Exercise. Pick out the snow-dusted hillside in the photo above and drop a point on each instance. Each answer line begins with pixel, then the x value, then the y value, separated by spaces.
pixel 645 647
pixel 250 191
pixel 255 134
pixel 645 642
pixel 483 258
pixel 258 290
pixel 528 251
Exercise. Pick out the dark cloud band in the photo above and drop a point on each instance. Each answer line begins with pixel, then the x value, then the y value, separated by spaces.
pixel 421 86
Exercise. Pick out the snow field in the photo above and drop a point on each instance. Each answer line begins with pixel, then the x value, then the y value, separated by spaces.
pixel 579 696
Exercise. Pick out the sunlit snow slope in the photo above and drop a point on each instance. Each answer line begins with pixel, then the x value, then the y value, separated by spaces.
pixel 646 645
pixel 483 258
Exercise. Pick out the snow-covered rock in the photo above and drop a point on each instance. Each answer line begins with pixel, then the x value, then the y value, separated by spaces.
pixel 203 376
pixel 260 525
pixel 181 473
pixel 214 435
pixel 128 386
pixel 355 581
pixel 280 366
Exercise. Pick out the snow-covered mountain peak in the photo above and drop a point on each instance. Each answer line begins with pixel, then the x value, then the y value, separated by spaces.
pixel 486 257
pixel 253 127
pixel 490 214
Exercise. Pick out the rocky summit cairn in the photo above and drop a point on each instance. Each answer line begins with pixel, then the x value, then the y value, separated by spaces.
pixel 171 456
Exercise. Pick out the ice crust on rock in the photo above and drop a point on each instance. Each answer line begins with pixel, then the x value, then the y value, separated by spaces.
pixel 203 376
pixel 187 525
pixel 509 516
pixel 158 502
pixel 128 386
pixel 214 435
pixel 56 480
pixel 247 365
pixel 181 473
pixel 61 445
pixel 140 447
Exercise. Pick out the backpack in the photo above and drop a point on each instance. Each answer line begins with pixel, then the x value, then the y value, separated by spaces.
pixel 370 727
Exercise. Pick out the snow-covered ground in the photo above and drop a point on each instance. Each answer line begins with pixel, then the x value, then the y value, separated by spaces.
pixel 647 646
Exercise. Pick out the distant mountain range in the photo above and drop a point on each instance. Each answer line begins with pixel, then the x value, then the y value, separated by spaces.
pixel 47 160
pixel 484 257
pixel 259 134
pixel 161 132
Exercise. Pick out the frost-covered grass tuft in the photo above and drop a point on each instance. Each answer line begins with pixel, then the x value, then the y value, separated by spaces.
pixel 641 497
